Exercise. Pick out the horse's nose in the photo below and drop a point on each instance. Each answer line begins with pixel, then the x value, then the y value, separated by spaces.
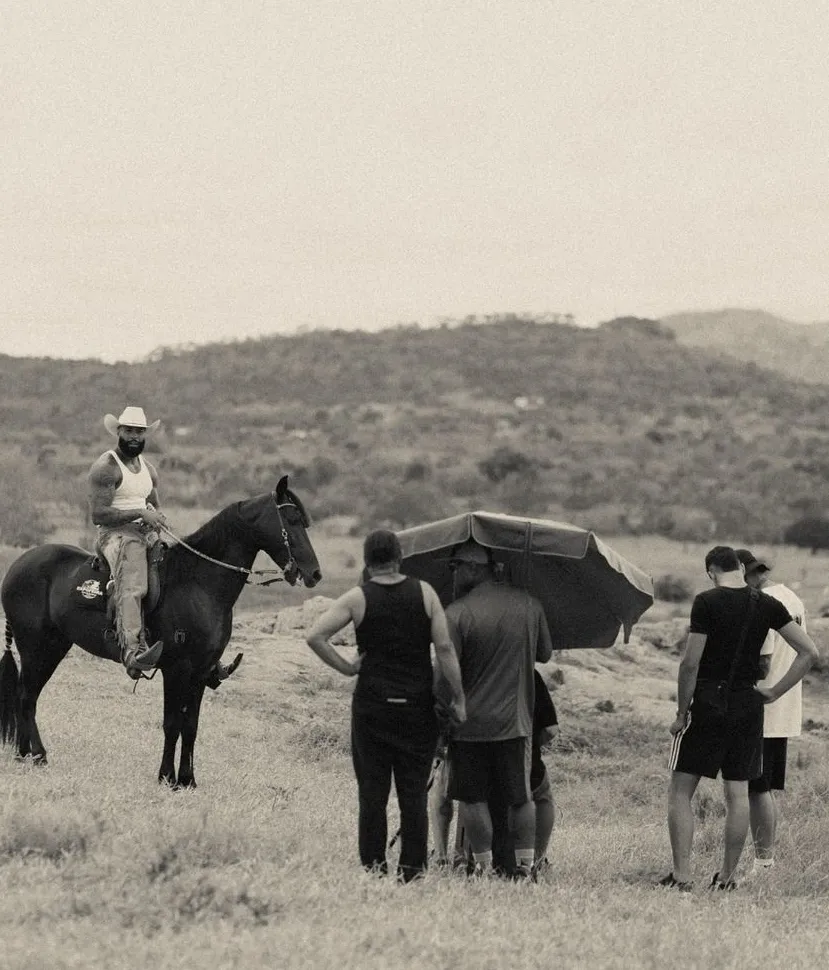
pixel 314 578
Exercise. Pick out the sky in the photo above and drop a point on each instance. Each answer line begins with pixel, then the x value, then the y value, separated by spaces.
pixel 198 171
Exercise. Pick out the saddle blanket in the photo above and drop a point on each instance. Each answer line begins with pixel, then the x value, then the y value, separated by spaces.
pixel 89 585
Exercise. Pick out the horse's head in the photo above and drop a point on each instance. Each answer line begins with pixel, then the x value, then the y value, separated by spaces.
pixel 279 522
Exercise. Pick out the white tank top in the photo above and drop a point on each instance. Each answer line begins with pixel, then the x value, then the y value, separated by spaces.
pixel 134 488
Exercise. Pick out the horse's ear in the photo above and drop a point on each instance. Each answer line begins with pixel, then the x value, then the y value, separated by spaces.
pixel 282 487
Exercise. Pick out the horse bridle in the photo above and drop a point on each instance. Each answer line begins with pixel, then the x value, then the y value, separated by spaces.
pixel 291 564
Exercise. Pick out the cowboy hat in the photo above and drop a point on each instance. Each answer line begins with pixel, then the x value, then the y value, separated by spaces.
pixel 130 417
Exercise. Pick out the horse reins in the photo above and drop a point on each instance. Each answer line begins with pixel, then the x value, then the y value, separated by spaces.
pixel 241 569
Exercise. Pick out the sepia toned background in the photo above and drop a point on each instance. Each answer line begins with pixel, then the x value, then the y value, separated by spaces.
pixel 555 258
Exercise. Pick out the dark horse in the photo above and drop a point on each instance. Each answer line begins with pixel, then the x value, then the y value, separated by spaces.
pixel 193 616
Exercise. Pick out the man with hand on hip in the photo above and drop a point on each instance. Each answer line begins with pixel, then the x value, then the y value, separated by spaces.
pixel 783 717
pixel 394 728
pixel 729 625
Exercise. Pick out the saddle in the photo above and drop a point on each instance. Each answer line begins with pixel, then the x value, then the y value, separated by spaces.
pixel 90 592
pixel 91 581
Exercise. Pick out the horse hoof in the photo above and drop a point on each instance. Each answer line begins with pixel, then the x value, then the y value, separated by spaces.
pixel 35 759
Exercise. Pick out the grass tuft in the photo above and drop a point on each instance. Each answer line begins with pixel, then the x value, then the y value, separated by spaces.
pixel 47 832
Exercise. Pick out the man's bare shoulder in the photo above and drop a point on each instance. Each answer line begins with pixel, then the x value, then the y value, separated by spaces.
pixel 152 471
pixel 105 471
pixel 352 598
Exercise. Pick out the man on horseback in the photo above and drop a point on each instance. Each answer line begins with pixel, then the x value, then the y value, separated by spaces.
pixel 123 495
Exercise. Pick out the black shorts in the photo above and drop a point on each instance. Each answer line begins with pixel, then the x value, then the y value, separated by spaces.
pixel 774 766
pixel 480 769
pixel 733 746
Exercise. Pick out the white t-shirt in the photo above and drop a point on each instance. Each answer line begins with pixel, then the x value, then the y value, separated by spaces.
pixel 783 718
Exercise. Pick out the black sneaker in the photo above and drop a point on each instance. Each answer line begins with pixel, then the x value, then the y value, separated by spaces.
pixel 668 882
pixel 717 883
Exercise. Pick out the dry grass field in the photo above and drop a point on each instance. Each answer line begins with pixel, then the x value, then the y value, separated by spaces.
pixel 100 867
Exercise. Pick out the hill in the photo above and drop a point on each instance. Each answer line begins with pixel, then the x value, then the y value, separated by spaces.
pixel 800 350
pixel 621 428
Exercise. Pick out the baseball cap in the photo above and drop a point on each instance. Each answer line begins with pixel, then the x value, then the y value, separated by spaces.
pixel 751 562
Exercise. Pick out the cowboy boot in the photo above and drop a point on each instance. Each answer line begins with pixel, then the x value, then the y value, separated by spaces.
pixel 139 657
pixel 220 671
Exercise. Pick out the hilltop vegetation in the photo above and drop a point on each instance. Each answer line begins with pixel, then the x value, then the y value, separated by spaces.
pixel 619 428
pixel 799 350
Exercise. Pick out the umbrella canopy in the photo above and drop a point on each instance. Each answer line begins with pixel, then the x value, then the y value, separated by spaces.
pixel 588 591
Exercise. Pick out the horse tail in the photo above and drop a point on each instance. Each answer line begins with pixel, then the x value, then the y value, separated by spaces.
pixel 9 679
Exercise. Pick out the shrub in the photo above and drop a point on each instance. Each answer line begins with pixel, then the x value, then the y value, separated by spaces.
pixel 505 461
pixel 672 589
pixel 417 470
pixel 405 505
pixel 22 522
pixel 811 532
pixel 640 326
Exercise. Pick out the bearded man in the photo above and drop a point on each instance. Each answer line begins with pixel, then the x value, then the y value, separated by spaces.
pixel 123 497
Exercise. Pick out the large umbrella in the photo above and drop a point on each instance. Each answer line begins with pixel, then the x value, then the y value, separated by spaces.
pixel 589 592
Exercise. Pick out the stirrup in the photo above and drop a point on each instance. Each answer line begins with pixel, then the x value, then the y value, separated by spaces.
pixel 220 671
pixel 139 660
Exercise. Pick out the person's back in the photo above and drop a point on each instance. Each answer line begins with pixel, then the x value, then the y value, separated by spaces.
pixel 394 728
pixel 727 633
pixel 497 630
pixel 719 613
pixel 394 639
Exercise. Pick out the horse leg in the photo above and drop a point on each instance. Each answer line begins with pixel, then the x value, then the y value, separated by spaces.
pixel 176 694
pixel 36 667
pixel 189 729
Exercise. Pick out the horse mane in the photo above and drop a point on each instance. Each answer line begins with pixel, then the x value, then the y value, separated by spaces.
pixel 228 522
pixel 218 526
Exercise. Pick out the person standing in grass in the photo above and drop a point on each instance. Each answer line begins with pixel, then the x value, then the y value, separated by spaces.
pixel 394 728
pixel 441 806
pixel 545 728
pixel 729 625
pixel 499 632
pixel 783 717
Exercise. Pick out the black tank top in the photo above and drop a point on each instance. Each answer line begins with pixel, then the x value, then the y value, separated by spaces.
pixel 393 639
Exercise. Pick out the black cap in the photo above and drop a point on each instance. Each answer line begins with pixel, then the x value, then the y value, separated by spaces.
pixel 751 562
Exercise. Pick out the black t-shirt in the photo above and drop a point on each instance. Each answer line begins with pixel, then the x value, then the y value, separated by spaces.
pixel 720 613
